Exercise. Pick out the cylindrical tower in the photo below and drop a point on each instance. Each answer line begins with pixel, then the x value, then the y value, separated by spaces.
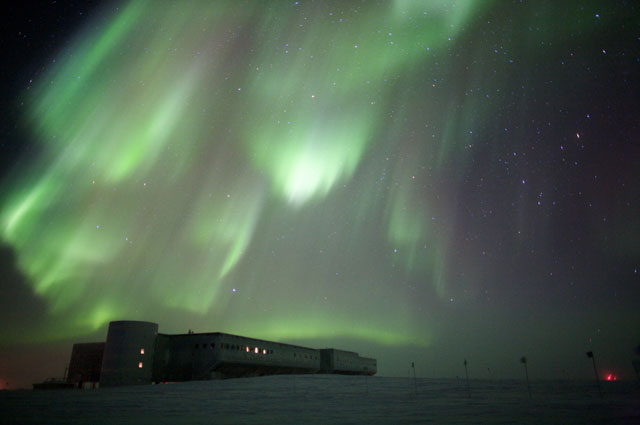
pixel 128 353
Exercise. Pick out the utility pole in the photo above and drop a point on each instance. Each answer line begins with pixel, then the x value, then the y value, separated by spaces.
pixel 467 374
pixel 523 360
pixel 592 357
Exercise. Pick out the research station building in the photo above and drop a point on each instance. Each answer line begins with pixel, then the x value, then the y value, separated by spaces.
pixel 135 353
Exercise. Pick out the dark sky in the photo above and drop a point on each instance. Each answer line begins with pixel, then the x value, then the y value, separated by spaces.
pixel 421 181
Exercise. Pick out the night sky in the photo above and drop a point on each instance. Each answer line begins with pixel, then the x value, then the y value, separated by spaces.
pixel 421 181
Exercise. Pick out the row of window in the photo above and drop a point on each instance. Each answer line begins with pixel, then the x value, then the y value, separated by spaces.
pixel 235 347
pixel 307 356
pixel 247 349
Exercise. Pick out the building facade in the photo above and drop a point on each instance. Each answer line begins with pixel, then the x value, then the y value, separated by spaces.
pixel 135 353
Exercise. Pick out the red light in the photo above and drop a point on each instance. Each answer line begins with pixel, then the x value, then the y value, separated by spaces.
pixel 611 377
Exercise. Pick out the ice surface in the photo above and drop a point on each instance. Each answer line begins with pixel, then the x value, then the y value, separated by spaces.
pixel 329 399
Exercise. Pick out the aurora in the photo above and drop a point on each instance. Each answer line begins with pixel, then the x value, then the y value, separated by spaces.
pixel 163 151
pixel 376 172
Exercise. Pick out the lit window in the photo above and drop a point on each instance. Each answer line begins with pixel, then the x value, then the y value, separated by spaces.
pixel 247 348
pixel 264 351
pixel 255 350
pixel 142 351
pixel 140 365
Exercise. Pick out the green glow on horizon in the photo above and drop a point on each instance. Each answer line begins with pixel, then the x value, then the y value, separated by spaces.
pixel 183 155
pixel 320 330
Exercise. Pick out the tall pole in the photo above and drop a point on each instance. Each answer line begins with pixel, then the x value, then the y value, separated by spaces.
pixel 595 370
pixel 523 360
pixel 467 374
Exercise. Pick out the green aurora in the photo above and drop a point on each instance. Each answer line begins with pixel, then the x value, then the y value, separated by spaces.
pixel 283 170
pixel 166 156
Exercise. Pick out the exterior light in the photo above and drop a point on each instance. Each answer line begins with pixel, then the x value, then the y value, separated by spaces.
pixel 140 365
pixel 142 351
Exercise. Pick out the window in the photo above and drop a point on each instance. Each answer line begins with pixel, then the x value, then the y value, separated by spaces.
pixel 140 365
pixel 196 346
pixel 255 350
pixel 213 345
pixel 247 348
pixel 264 351
pixel 142 351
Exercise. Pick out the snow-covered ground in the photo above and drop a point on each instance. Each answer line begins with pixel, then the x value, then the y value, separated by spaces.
pixel 327 399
